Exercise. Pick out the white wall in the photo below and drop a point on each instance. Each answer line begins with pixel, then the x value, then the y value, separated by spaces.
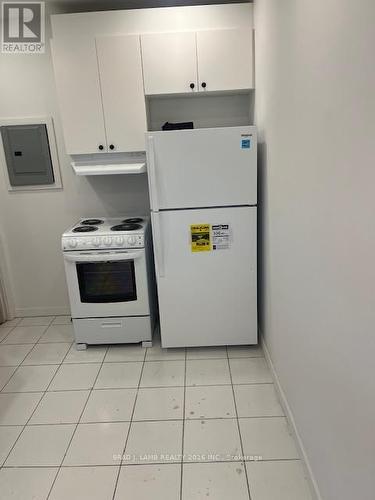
pixel 315 108
pixel 31 223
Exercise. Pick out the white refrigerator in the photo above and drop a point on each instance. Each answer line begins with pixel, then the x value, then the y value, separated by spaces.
pixel 203 194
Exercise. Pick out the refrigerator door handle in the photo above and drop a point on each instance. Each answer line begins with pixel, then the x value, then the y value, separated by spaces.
pixel 152 173
pixel 158 245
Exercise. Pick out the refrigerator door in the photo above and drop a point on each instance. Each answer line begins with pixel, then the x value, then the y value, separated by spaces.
pixel 207 296
pixel 202 168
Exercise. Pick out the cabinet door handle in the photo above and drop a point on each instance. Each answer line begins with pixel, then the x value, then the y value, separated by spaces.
pixel 111 146
pixel 192 85
pixel 101 147
pixel 204 85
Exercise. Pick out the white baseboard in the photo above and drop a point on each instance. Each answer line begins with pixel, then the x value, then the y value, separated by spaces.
pixel 23 312
pixel 290 417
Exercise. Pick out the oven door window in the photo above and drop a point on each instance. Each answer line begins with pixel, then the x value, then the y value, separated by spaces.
pixel 102 282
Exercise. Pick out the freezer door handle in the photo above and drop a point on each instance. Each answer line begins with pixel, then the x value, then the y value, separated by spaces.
pixel 152 173
pixel 158 245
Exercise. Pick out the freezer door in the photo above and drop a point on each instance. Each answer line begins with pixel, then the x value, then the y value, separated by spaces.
pixel 207 296
pixel 202 168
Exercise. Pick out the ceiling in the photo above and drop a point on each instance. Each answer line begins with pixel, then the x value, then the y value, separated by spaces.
pixel 97 5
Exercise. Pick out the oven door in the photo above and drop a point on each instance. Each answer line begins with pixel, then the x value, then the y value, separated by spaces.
pixel 107 283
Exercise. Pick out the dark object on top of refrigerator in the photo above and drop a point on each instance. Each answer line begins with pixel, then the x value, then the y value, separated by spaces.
pixel 177 126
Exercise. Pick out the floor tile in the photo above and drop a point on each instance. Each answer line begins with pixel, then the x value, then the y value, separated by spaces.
pixel 258 400
pixel 207 372
pixel 119 375
pixel 154 442
pixel 5 374
pixel 60 408
pixel 157 353
pixel 31 378
pixel 13 355
pixel 163 373
pixel 245 351
pixel 17 408
pixel 8 436
pixel 26 484
pixel 209 402
pixel 47 354
pixel 58 333
pixel 268 438
pixel 93 354
pixel 109 405
pixel 85 483
pixel 283 480
pixel 73 377
pixel 62 320
pixel 206 352
pixel 36 320
pixel 125 353
pixel 211 440
pixel 4 332
pixel 218 481
pixel 159 482
pixel 97 444
pixel 41 445
pixel 250 371
pixel 10 323
pixel 25 335
pixel 159 403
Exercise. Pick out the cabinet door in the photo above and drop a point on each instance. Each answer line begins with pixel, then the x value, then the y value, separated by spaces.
pixel 169 63
pixel 78 89
pixel 120 69
pixel 225 59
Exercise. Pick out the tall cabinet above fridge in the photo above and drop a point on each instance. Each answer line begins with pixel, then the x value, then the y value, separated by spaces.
pixel 203 193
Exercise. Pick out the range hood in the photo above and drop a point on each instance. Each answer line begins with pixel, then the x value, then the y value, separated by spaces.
pixel 109 164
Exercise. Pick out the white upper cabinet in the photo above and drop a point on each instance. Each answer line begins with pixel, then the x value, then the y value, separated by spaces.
pixel 120 69
pixel 215 60
pixel 225 59
pixel 100 89
pixel 78 89
pixel 169 63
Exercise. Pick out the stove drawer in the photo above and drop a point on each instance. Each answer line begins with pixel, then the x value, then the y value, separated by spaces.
pixel 123 330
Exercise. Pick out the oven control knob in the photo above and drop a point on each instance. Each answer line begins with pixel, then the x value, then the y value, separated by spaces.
pixel 107 241
pixel 73 243
pixel 132 240
pixel 96 242
pixel 119 240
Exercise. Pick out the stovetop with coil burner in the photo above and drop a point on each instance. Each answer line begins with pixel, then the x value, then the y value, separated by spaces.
pixel 104 233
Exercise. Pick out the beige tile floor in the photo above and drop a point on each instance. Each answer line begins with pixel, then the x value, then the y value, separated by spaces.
pixel 122 422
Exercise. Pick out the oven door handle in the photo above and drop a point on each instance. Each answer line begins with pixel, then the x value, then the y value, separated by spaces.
pixel 101 257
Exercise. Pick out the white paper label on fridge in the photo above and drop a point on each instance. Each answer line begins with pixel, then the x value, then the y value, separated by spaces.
pixel 221 236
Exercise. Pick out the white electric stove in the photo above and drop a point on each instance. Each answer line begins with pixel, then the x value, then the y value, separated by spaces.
pixel 110 276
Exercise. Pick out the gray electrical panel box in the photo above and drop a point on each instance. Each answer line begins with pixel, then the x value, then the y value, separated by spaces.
pixel 27 154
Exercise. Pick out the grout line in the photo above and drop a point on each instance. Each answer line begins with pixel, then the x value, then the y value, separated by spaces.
pixel 239 429
pixel 7 379
pixel 76 425
pixel 147 420
pixel 130 427
pixel 7 335
pixel 25 343
pixel 150 463
pixel 17 367
pixel 127 387
pixel 183 430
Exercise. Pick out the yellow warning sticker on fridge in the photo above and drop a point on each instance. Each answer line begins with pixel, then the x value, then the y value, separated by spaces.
pixel 200 237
